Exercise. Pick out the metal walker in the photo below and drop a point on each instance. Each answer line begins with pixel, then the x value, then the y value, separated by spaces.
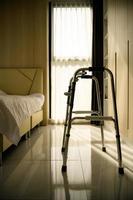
pixel 93 115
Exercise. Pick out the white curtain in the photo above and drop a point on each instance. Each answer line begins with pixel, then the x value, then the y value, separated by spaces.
pixel 71 50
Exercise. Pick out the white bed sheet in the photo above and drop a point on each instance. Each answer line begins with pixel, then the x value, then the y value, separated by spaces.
pixel 14 109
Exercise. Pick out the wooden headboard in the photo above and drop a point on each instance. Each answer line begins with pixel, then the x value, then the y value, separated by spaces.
pixel 21 81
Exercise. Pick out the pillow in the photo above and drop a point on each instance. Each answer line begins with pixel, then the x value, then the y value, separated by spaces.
pixel 2 92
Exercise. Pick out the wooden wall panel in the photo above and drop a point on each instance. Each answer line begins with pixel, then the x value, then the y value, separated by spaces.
pixel 24 37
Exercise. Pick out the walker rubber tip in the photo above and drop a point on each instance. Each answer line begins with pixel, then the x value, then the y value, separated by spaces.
pixel 121 170
pixel 104 149
pixel 64 168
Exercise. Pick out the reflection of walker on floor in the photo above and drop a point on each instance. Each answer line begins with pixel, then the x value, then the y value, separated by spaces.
pixel 97 115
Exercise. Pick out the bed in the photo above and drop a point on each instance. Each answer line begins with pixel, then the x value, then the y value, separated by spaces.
pixel 17 84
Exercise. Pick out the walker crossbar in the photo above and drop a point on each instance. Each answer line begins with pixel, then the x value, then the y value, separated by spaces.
pixel 94 115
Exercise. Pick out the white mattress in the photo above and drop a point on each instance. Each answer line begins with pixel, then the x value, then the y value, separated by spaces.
pixel 14 109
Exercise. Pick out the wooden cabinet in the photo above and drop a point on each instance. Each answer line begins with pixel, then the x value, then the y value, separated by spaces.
pixel 120 61
pixel 130 97
pixel 121 50
pixel 130 20
pixel 130 69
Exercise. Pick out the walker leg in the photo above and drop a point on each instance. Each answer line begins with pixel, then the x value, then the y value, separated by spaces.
pixel 99 111
pixel 102 136
pixel 65 128
pixel 29 133
pixel 121 170
pixel 67 115
pixel 67 134
pixel 65 155
pixel 0 158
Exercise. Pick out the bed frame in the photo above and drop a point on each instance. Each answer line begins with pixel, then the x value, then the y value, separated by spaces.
pixel 21 81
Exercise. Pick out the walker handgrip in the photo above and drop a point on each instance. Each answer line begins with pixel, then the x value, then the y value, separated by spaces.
pixel 86 76
pixel 96 69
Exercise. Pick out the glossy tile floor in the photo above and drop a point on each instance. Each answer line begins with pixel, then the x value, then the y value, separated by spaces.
pixel 32 170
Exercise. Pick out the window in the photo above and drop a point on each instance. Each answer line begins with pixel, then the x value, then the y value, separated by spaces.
pixel 71 50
